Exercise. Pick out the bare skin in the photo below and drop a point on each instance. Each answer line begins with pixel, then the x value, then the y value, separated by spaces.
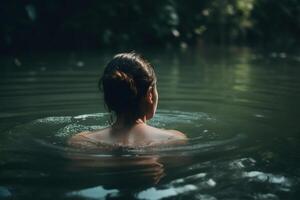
pixel 137 135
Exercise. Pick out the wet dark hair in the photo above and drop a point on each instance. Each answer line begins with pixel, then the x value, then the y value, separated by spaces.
pixel 125 81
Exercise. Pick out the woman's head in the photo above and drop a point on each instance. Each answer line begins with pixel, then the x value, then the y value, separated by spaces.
pixel 129 86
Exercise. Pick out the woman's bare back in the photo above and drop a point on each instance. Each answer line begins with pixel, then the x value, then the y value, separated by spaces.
pixel 140 135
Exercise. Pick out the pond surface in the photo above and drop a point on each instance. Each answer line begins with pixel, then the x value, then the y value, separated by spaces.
pixel 239 107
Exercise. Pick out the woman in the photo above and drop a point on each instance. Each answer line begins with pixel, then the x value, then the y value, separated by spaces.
pixel 129 87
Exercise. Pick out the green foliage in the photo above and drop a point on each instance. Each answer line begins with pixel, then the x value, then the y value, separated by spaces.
pixel 36 24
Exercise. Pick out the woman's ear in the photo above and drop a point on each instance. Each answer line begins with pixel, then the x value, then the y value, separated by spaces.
pixel 149 96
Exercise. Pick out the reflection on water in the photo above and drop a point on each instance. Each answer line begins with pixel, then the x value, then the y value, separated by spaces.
pixel 239 107
pixel 93 193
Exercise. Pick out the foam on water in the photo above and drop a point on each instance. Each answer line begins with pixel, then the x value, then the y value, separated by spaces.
pixel 56 130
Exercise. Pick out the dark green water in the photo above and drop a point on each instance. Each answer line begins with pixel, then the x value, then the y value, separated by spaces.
pixel 239 107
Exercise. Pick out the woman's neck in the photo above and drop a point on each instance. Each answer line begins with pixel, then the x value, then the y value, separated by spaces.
pixel 124 122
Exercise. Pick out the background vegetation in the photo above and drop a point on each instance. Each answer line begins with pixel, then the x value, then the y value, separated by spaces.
pixel 77 24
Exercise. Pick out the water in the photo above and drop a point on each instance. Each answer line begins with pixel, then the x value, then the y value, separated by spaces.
pixel 239 107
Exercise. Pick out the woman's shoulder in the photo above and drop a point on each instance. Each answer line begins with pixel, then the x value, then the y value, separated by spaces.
pixel 78 137
pixel 163 135
pixel 79 140
pixel 87 138
pixel 177 134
